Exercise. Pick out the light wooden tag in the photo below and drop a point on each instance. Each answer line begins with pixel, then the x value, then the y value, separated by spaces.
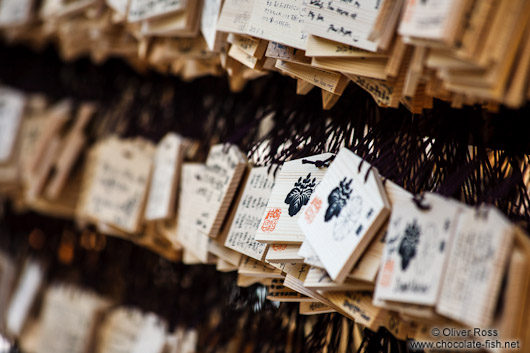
pixel 368 265
pixel 119 184
pixel 120 6
pixel 225 266
pixel 380 90
pixel 478 25
pixel 184 23
pixel 478 257
pixel 66 204
pixel 251 46
pixel 416 250
pixel 296 270
pixel 282 52
pixel 249 212
pixel 104 228
pixel 217 186
pixel 151 338
pixel 12 170
pixel 302 87
pixel 146 9
pixel 315 308
pixel 343 22
pixel 120 328
pixel 166 170
pixel 295 275
pixel 189 259
pixel 188 339
pixel 41 174
pixel 512 318
pixel 63 8
pixel 15 12
pixel 399 327
pixel 277 265
pixel 294 184
pixel 283 253
pixel 309 255
pixel 253 268
pixel 232 212
pixel 277 292
pixel 333 82
pixel 210 15
pixel 127 329
pixel 243 57
pixel 317 46
pixel 370 67
pixel 56 118
pixel 222 252
pixel 23 297
pixel 69 315
pixel 7 279
pixel 329 99
pixel 247 281
pixel 358 306
pixel 71 148
pixel 281 21
pixel 344 213
pixel 384 28
pixel 235 16
pixel 11 110
pixel 523 244
pixel 295 278
pixel 436 20
pixel 159 244
pixel 193 240
pixel 318 279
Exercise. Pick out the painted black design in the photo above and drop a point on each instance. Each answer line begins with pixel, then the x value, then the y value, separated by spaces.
pixel 300 194
pixel 337 199
pixel 409 244
pixel 349 219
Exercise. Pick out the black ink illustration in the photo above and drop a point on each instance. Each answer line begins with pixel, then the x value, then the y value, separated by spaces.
pixel 409 244
pixel 300 194
pixel 348 222
pixel 337 199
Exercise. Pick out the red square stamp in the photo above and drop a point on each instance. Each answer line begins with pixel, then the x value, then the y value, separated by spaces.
pixel 387 273
pixel 312 209
pixel 279 247
pixel 271 220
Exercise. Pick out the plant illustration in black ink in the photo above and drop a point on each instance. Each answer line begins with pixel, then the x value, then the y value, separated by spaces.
pixel 409 244
pixel 349 223
pixel 300 194
pixel 337 199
